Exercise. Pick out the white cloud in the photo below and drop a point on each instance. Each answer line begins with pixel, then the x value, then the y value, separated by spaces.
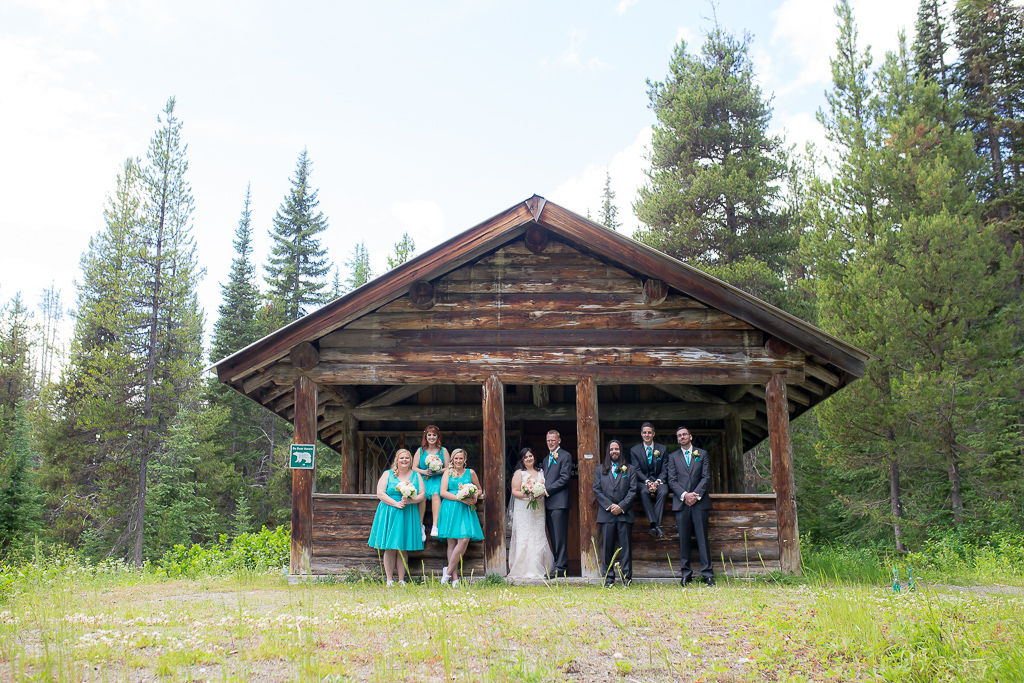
pixel 571 56
pixel 71 15
pixel 583 191
pixel 685 33
pixel 807 30
pixel 625 5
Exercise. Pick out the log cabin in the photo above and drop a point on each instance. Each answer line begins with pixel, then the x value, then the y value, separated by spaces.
pixel 540 319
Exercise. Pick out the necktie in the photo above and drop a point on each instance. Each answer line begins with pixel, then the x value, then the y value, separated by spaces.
pixel 650 454
pixel 687 454
pixel 615 472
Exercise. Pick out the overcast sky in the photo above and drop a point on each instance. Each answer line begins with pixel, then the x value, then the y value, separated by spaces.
pixel 426 117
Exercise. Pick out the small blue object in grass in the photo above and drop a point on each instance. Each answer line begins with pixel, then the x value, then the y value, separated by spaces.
pixel 895 579
pixel 910 582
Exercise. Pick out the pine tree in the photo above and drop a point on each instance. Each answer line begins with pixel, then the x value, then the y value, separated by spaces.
pixel 930 45
pixel 712 194
pixel 404 249
pixel 609 217
pixel 359 267
pixel 16 376
pixel 298 264
pixel 21 500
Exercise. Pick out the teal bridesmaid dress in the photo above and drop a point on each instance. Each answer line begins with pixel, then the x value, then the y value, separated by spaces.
pixel 395 529
pixel 459 520
pixel 432 484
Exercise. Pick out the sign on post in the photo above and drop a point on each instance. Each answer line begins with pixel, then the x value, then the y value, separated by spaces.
pixel 302 456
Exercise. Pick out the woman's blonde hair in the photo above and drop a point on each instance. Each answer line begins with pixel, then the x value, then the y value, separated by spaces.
pixel 394 462
pixel 451 459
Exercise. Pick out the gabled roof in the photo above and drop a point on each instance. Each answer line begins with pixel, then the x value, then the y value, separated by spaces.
pixel 596 239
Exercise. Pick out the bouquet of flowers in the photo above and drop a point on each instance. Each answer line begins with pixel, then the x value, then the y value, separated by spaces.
pixel 434 463
pixel 407 489
pixel 532 489
pixel 466 491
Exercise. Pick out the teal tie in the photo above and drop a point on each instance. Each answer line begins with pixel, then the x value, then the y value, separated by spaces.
pixel 615 472
pixel 687 454
pixel 650 455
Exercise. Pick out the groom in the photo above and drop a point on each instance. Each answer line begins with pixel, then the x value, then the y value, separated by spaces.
pixel 688 471
pixel 557 470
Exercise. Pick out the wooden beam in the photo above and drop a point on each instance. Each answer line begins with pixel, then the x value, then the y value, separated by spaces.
pixel 279 374
pixel 735 392
pixel 777 348
pixel 541 395
pixel 588 439
pixel 543 373
pixel 348 445
pixel 536 239
pixel 818 372
pixel 346 396
pixel 276 392
pixel 304 356
pixel 687 393
pixel 385 339
pixel 654 291
pixel 733 453
pixel 393 395
pixel 527 411
pixel 798 395
pixel 783 481
pixel 493 408
pixel 302 480
pixel 813 387
pixel 758 392
pixel 523 319
pixel 422 295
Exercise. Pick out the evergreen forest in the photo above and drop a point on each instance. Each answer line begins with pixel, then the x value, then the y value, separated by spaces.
pixel 905 237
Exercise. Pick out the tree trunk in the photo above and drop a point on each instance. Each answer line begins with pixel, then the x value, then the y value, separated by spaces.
pixel 897 503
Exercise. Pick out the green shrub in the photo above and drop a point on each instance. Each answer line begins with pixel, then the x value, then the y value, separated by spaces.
pixel 259 551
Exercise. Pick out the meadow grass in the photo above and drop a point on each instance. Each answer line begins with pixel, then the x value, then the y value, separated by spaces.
pixel 60 623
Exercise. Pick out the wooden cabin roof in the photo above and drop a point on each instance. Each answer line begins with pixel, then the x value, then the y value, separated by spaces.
pixel 664 323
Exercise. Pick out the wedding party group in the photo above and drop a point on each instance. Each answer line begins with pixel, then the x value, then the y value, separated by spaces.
pixel 540 505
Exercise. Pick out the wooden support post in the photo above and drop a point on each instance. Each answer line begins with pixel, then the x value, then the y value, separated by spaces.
pixel 782 474
pixel 494 477
pixel 588 439
pixel 348 443
pixel 302 480
pixel 733 453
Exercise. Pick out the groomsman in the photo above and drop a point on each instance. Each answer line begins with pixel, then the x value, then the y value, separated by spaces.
pixel 557 470
pixel 648 457
pixel 688 471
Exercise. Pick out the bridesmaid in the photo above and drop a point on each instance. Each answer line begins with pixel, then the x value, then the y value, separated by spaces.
pixel 394 527
pixel 431 445
pixel 615 490
pixel 459 521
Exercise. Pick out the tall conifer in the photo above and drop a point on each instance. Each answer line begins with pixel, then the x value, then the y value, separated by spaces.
pixel 298 265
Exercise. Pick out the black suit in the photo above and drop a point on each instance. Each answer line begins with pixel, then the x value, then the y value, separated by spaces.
pixel 556 506
pixel 653 508
pixel 621 490
pixel 691 519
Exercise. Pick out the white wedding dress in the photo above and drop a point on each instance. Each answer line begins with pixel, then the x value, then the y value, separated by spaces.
pixel 529 555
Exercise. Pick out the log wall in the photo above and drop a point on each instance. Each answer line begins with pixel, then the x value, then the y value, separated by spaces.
pixel 743 531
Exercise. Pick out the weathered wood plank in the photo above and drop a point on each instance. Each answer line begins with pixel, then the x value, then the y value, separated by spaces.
pixel 393 395
pixel 493 452
pixel 554 301
pixel 588 439
pixel 302 480
pixel 733 423
pixel 458 373
pixel 783 481
pixel 347 444
pixel 540 272
pixel 518 411
pixel 304 356
pixel 667 357
pixel 688 393
pixel 828 377
pixel 595 286
pixel 559 337
pixel 648 319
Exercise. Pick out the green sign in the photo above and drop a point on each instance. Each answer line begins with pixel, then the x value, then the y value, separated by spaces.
pixel 302 456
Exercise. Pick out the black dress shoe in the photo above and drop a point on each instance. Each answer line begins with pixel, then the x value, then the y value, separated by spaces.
pixel 661 534
pixel 685 582
pixel 653 532
pixel 708 580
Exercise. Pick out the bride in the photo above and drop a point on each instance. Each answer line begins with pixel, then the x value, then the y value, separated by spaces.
pixel 529 556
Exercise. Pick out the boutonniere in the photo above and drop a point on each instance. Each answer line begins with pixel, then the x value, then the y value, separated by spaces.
pixel 622 469
pixel 553 456
pixel 657 454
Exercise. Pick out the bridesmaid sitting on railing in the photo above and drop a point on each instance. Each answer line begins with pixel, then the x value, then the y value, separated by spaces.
pixel 431 461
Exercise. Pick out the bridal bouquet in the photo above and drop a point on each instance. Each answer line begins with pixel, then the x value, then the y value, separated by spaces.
pixel 466 491
pixel 434 463
pixel 407 489
pixel 533 489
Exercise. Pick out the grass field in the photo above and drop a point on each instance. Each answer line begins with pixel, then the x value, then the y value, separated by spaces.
pixel 68 624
